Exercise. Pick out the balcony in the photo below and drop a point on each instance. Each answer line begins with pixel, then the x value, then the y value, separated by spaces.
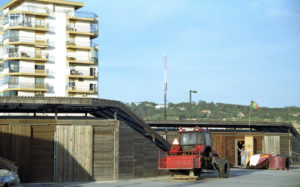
pixel 82 16
pixel 80 89
pixel 82 74
pixel 72 44
pixel 92 32
pixel 37 26
pixel 22 71
pixel 31 56
pixel 27 87
pixel 30 10
pixel 82 60
pixel 37 42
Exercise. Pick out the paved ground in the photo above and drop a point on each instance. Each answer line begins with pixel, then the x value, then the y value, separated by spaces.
pixel 238 177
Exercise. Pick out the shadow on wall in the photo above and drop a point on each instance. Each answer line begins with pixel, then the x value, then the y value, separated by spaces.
pixel 40 158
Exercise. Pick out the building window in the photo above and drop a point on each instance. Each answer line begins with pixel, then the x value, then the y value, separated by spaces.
pixel 39 67
pixel 12 35
pixel 71 84
pixel 93 72
pixel 15 19
pixel 93 87
pixel 10 93
pixel 12 50
pixel 6 19
pixel 11 80
pixel 39 81
pixel 12 65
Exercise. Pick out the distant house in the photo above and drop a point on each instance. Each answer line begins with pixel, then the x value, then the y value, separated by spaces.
pixel 159 106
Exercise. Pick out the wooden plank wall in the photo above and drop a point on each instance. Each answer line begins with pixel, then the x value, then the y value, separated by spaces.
pixel 271 145
pixel 25 145
pixel 138 157
pixel 126 156
pixel 219 143
pixel 42 153
pixel 73 153
pixel 106 148
pixel 285 145
pixel 20 150
pixel 5 141
pixel 258 144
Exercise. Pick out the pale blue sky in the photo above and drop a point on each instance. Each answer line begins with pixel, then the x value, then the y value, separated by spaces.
pixel 229 51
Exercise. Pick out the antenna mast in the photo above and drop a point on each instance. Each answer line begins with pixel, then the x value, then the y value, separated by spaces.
pixel 165 87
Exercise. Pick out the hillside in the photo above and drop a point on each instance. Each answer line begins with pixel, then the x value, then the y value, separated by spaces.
pixel 216 111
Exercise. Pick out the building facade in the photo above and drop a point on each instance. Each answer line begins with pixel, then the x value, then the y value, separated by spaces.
pixel 46 49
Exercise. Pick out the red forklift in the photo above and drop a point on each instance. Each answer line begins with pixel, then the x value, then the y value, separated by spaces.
pixel 191 154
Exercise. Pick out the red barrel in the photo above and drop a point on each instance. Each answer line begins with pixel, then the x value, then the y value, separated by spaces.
pixel 277 162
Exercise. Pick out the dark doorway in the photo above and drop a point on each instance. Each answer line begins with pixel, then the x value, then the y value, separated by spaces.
pixel 240 145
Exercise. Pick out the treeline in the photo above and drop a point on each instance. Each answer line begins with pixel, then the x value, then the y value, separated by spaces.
pixel 215 111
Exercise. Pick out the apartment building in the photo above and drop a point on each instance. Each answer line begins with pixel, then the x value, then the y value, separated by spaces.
pixel 47 49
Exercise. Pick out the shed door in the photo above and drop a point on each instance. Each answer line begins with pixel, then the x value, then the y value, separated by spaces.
pixel 271 145
pixel 104 166
pixel 42 154
pixel 248 147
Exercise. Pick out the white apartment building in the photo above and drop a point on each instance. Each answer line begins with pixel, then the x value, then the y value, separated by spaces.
pixel 46 49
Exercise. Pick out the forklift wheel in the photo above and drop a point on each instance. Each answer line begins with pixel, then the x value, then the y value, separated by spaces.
pixel 223 168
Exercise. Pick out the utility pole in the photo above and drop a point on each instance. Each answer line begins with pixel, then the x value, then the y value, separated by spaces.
pixel 192 91
pixel 165 87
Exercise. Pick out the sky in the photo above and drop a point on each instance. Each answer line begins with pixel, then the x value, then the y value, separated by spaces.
pixel 229 51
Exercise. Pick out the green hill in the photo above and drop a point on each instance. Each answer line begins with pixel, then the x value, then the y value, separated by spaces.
pixel 216 111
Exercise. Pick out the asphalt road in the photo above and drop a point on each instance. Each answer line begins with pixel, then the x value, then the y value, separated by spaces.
pixel 238 178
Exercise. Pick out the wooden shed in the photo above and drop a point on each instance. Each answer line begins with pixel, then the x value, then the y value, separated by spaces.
pixel 48 150
pixel 226 143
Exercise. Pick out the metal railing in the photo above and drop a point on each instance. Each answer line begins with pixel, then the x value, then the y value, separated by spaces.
pixel 18 69
pixel 28 85
pixel 27 39
pixel 81 44
pixel 82 14
pixel 93 28
pixel 82 59
pixel 30 8
pixel 38 25
pixel 82 73
pixel 81 88
pixel 29 55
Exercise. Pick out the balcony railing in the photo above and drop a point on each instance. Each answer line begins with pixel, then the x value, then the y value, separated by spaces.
pixel 81 88
pixel 81 14
pixel 29 55
pixel 81 44
pixel 93 29
pixel 82 59
pixel 34 9
pixel 28 40
pixel 28 86
pixel 82 73
pixel 17 69
pixel 37 25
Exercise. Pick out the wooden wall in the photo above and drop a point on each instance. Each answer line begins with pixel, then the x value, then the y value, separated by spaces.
pixel 31 148
pixel 138 157
pixel 285 145
pixel 225 143
pixel 73 153
pixel 106 150
pixel 271 145
pixel 295 146
pixel 42 153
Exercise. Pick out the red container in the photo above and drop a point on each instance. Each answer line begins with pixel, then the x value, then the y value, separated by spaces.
pixel 277 162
